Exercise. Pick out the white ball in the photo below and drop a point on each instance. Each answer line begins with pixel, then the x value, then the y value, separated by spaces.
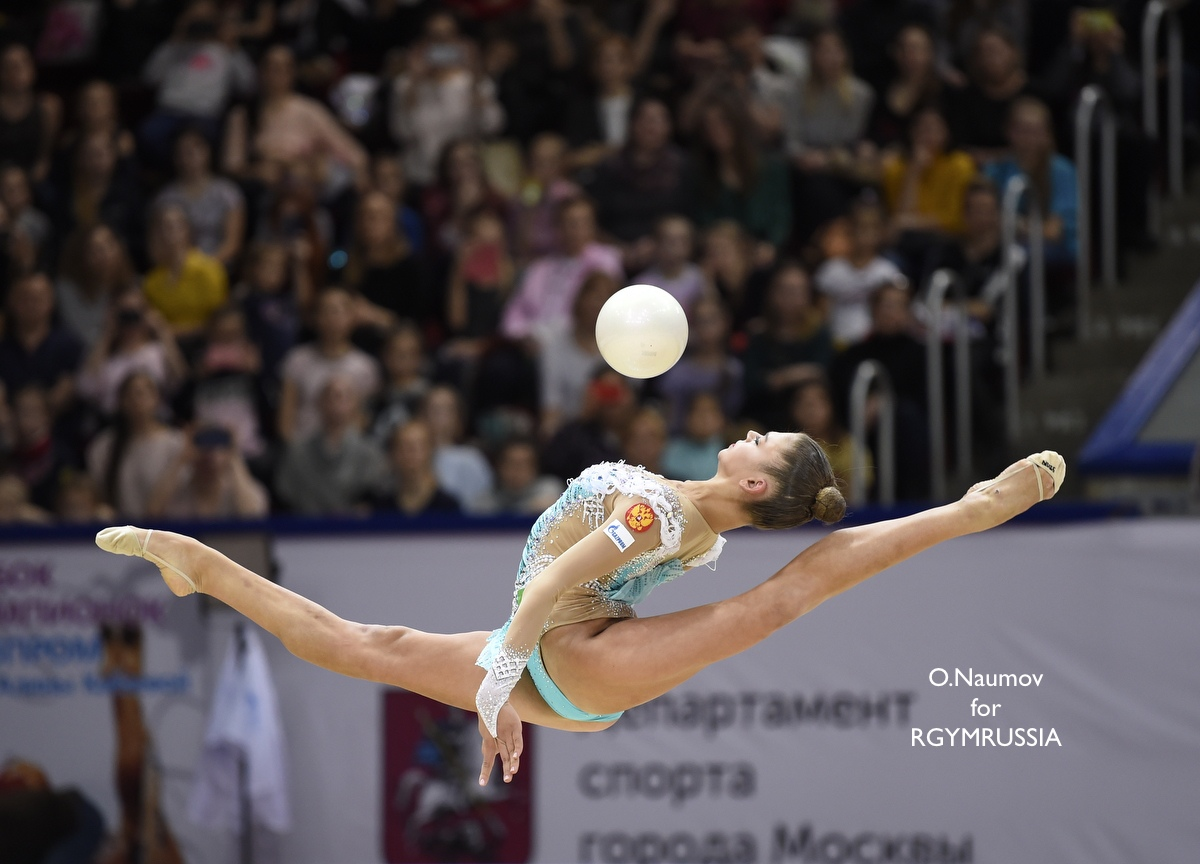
pixel 642 331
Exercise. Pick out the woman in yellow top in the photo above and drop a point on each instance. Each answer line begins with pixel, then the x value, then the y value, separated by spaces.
pixel 572 654
pixel 186 286
pixel 924 189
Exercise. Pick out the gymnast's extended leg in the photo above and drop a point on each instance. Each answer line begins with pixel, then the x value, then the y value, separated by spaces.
pixel 439 666
pixel 637 659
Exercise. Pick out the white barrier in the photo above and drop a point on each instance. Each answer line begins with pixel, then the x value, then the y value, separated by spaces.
pixel 799 750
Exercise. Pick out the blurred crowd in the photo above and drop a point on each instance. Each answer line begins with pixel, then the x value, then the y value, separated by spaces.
pixel 334 257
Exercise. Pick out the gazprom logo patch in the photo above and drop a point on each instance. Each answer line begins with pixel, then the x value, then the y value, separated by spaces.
pixel 619 535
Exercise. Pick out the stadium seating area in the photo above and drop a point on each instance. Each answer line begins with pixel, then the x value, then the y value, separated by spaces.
pixel 335 257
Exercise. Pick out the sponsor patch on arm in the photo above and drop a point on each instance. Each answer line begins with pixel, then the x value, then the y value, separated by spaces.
pixel 619 535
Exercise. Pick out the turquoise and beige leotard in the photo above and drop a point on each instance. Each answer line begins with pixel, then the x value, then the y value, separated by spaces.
pixel 686 542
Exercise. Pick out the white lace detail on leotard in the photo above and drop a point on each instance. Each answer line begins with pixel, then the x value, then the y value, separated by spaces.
pixel 708 557
pixel 635 481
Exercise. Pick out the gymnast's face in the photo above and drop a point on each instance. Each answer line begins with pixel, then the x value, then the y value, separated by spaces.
pixel 748 458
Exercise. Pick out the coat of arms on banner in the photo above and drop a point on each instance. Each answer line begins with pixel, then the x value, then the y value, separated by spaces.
pixel 434 809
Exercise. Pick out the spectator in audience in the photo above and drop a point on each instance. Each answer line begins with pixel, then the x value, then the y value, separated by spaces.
pixel 596 435
pixel 286 130
pixel 462 470
pixel 462 188
pixel 225 390
pixel 442 95
pixel 739 182
pixel 728 264
pixel 214 205
pixel 978 257
pixel 95 269
pixel 672 269
pixel 136 338
pixel 198 72
pixel 545 45
pixel 307 367
pixel 597 119
pixel 902 356
pixel 982 266
pixel 1052 177
pixel 924 189
pixel 706 366
pixel 812 413
pixel 520 486
pixel 98 113
pixel 701 24
pixel 292 215
pixel 980 111
pixel 871 25
pixel 35 350
pixel 275 293
pixel 965 21
pixel 542 302
pixel 387 175
pixel 28 228
pixel 915 84
pixel 794 348
pixel 37 454
pixel 79 502
pixel 845 285
pixel 415 486
pixel 534 211
pixel 29 120
pixel 15 507
pixel 405 381
pixel 645 180
pixel 769 87
pixel 645 439
pixel 127 459
pixel 387 279
pixel 569 357
pixel 208 480
pixel 185 285
pixel 693 455
pixel 825 128
pixel 334 470
pixel 95 191
pixel 480 284
pixel 1095 54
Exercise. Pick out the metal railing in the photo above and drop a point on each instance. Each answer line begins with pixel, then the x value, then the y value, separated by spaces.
pixel 870 372
pixel 1012 264
pixel 1017 187
pixel 939 285
pixel 1156 12
pixel 1091 99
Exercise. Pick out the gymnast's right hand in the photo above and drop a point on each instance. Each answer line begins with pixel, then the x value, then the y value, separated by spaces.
pixel 507 744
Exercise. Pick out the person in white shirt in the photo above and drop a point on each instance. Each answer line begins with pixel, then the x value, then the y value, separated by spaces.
pixel 844 285
pixel 673 270
pixel 443 95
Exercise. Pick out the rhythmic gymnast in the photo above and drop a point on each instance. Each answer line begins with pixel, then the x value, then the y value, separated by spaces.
pixel 572 654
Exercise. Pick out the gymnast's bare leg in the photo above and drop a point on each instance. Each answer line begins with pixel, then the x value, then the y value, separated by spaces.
pixel 602 666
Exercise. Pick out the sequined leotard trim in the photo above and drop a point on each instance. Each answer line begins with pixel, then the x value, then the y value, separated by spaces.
pixel 613 595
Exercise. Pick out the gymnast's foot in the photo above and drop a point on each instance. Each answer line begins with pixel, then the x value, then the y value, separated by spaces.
pixel 179 552
pixel 1021 485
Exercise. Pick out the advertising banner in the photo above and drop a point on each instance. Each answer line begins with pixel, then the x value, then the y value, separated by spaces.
pixel 1029 694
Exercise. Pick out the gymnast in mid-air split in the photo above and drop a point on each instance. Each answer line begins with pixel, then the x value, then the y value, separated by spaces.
pixel 572 654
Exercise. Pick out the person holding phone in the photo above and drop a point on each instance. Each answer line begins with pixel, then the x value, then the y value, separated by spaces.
pixel 198 74
pixel 442 95
pixel 208 480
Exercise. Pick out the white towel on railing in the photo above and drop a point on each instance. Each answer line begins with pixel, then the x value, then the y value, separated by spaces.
pixel 245 722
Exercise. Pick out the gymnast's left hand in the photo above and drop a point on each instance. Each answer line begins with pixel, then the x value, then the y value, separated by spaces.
pixel 507 745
